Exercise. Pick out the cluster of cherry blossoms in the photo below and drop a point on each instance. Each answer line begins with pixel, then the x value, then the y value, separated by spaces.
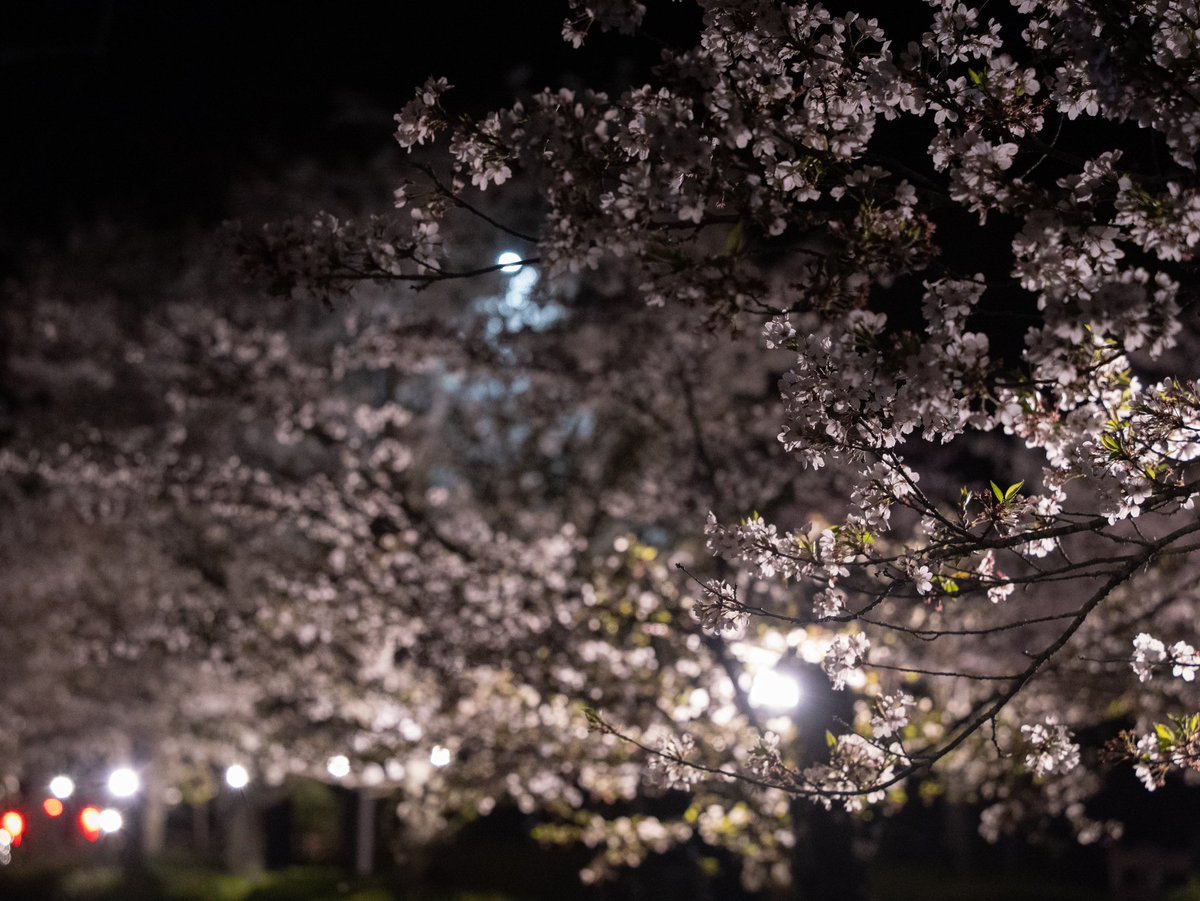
pixel 918 291
pixel 770 171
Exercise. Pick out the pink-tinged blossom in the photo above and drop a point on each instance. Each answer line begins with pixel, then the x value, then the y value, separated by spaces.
pixel 1147 652
pixel 719 612
pixel 422 118
pixel 1184 661
pixel 1052 751
pixel 845 656
pixel 669 767
pixel 892 713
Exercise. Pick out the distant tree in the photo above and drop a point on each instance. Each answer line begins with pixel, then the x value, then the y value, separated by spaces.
pixel 419 537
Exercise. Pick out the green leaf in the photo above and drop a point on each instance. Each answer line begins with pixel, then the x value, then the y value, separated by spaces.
pixel 976 77
pixel 1012 490
pixel 735 240
pixel 948 586
pixel 1165 733
pixel 830 738
pixel 997 491
pixel 710 866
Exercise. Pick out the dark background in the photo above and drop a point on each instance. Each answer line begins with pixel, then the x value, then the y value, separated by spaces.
pixel 139 109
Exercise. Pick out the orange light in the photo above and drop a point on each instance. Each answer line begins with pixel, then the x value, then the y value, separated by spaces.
pixel 13 823
pixel 53 807
pixel 89 822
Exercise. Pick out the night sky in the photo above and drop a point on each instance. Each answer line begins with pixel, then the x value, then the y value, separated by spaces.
pixel 142 110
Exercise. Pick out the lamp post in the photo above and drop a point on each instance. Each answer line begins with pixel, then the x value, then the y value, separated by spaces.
pixel 824 864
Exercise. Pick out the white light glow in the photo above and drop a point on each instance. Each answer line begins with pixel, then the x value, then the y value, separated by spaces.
pixel 774 690
pixel 62 787
pixel 109 821
pixel 812 650
pixel 372 774
pixel 338 766
pixel 509 262
pixel 439 756
pixel 237 777
pixel 123 783
pixel 856 678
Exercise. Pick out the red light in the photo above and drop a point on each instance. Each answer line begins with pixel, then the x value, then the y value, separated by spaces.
pixel 89 822
pixel 53 807
pixel 13 823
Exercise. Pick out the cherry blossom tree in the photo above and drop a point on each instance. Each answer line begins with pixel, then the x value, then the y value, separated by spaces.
pixel 400 549
pixel 964 240
pixel 845 364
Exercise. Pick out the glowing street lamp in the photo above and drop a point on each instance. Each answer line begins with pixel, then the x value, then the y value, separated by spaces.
pixel 62 787
pixel 109 821
pixel 509 262
pixel 123 783
pixel 237 777
pixel 774 690
pixel 13 824
pixel 89 823
pixel 338 766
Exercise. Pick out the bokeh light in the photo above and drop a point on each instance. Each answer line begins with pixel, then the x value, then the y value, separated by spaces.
pixel 123 783
pixel 774 691
pixel 509 262
pixel 62 787
pixel 89 823
pixel 13 823
pixel 109 820
pixel 338 766
pixel 237 777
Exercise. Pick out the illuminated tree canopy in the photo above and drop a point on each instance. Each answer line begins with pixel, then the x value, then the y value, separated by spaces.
pixel 829 432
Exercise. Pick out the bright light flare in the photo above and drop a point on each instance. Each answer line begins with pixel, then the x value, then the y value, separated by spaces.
pixel 338 766
pixel 109 820
pixel 774 690
pixel 62 787
pixel 89 823
pixel 509 262
pixel 237 777
pixel 123 783
pixel 52 807
pixel 14 824
pixel 439 756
